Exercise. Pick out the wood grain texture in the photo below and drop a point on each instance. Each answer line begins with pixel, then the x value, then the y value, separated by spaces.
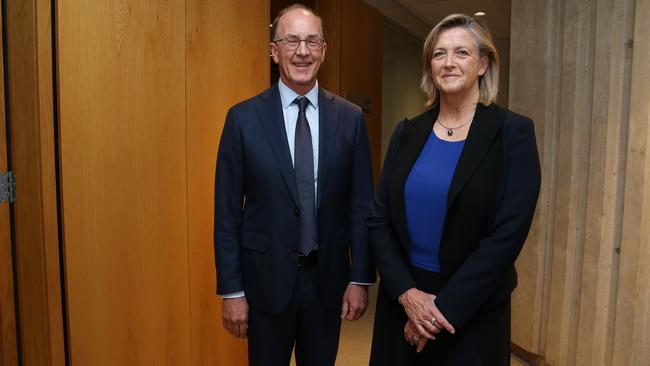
pixel 29 51
pixel 360 65
pixel 604 210
pixel 583 297
pixel 632 328
pixel 47 136
pixel 329 75
pixel 124 186
pixel 354 32
pixel 539 102
pixel 8 343
pixel 227 62
pixel 572 182
pixel 530 300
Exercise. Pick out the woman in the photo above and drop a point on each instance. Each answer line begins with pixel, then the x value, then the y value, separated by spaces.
pixel 453 208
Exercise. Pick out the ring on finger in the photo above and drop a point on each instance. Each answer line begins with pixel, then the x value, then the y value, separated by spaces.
pixel 434 322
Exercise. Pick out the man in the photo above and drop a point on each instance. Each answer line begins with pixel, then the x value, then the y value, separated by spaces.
pixel 293 189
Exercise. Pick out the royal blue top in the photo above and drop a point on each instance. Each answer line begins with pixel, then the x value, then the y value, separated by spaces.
pixel 425 196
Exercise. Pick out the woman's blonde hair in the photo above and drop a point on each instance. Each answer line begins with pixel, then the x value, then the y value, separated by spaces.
pixel 488 82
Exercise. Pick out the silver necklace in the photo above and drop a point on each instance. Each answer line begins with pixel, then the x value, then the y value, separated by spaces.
pixel 450 130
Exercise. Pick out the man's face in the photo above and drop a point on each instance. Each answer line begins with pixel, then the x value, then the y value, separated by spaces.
pixel 298 67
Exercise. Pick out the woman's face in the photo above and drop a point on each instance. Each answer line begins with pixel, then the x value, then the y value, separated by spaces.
pixel 456 63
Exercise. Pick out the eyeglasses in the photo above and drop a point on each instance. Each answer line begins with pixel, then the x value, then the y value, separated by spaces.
pixel 292 43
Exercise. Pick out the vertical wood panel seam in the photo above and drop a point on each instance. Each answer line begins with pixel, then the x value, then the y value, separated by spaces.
pixel 43 11
pixel 551 138
pixel 20 22
pixel 584 174
pixel 187 190
pixel 623 348
pixel 57 177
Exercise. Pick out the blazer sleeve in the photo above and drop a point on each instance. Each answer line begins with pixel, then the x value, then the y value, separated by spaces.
pixel 477 279
pixel 228 196
pixel 362 269
pixel 388 251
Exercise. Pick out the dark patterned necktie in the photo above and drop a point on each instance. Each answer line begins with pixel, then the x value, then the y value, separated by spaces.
pixel 304 169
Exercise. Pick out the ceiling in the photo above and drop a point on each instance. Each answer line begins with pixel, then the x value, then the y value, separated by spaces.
pixel 419 16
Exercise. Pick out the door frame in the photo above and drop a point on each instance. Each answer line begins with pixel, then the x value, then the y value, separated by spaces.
pixel 30 99
pixel 8 329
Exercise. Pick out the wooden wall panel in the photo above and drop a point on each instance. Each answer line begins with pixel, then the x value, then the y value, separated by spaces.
pixel 353 62
pixel 360 65
pixel 123 149
pixel 227 61
pixel 604 210
pixel 539 101
pixel 572 176
pixel 329 75
pixel 29 64
pixel 8 342
pixel 582 272
pixel 632 327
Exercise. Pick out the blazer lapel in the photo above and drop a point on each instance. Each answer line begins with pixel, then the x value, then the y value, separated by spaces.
pixel 272 119
pixel 479 139
pixel 328 122
pixel 414 135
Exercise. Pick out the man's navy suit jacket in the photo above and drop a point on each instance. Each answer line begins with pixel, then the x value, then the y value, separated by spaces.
pixel 257 212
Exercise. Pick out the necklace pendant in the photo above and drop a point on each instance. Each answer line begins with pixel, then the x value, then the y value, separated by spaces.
pixel 450 132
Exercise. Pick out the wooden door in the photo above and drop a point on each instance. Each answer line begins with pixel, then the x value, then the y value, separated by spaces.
pixel 144 86
pixel 123 183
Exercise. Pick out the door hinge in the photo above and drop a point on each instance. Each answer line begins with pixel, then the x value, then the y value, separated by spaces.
pixel 7 187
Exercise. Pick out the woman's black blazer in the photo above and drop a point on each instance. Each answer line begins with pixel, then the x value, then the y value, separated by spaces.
pixel 490 208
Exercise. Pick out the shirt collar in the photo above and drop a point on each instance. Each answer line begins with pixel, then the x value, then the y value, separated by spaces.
pixel 287 96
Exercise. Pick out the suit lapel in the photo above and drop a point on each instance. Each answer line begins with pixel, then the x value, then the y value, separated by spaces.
pixel 272 119
pixel 479 139
pixel 328 122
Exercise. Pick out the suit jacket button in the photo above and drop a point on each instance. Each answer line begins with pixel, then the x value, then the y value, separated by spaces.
pixel 296 212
